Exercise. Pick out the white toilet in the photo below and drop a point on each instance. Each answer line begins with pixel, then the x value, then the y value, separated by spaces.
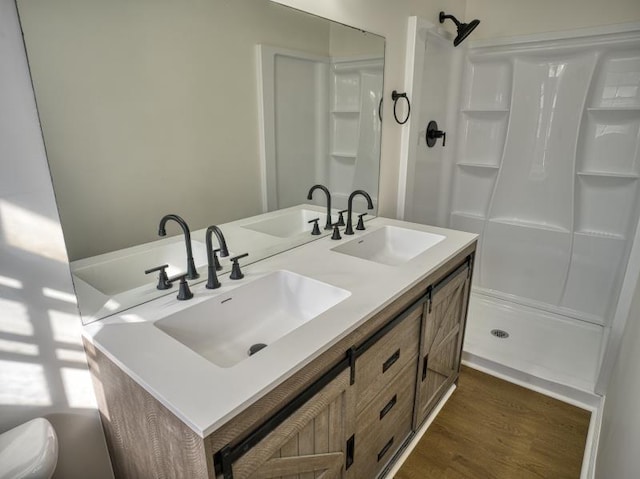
pixel 29 451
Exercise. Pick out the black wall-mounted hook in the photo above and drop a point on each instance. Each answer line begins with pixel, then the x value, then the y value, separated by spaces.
pixel 433 134
pixel 395 96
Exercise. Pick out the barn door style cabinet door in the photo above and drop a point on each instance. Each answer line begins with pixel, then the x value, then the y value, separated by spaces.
pixel 441 339
pixel 314 439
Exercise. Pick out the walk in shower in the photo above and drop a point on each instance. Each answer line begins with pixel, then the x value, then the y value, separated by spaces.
pixel 542 161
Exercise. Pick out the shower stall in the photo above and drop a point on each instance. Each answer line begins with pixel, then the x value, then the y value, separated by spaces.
pixel 542 161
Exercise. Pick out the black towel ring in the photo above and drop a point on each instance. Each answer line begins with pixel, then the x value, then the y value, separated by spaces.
pixel 395 96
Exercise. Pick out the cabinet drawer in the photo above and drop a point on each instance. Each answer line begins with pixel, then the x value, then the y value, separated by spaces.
pixel 385 423
pixel 381 363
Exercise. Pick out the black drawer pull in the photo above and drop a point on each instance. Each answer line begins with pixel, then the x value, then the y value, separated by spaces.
pixel 424 367
pixel 351 445
pixel 385 449
pixel 389 406
pixel 391 361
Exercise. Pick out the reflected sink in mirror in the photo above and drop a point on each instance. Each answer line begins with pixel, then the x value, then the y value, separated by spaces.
pixel 115 276
pixel 390 245
pixel 289 224
pixel 225 328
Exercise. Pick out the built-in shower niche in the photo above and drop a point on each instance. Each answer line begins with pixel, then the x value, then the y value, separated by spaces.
pixel 609 145
pixel 481 137
pixel 486 85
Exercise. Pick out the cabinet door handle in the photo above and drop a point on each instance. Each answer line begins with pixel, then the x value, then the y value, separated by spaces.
pixel 389 406
pixel 385 449
pixel 424 367
pixel 391 361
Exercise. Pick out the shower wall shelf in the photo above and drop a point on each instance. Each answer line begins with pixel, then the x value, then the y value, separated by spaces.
pixel 466 164
pixel 345 155
pixel 550 182
pixel 610 174
pixel 614 108
pixel 529 224
pixel 488 111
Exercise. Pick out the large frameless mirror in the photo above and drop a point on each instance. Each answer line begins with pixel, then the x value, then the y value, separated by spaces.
pixel 217 111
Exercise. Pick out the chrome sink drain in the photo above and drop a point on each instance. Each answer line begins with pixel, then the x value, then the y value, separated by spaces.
pixel 499 333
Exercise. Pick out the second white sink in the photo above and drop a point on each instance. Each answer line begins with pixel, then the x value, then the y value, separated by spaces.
pixel 289 224
pixel 390 245
pixel 226 328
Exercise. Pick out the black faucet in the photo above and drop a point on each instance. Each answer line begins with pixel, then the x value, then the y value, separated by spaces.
pixel 349 229
pixel 212 280
pixel 192 273
pixel 328 224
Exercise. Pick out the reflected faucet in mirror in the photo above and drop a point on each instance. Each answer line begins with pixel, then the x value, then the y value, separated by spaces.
pixel 328 224
pixel 192 273
pixel 212 266
pixel 349 229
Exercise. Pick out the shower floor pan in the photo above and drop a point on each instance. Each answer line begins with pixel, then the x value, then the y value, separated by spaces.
pixel 553 348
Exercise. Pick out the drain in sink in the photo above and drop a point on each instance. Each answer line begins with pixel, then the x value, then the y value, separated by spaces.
pixel 256 347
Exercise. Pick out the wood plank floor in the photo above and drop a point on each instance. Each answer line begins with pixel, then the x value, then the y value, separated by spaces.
pixel 492 429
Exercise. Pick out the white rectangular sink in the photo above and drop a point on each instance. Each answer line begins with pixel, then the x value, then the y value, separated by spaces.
pixel 289 224
pixel 224 329
pixel 390 245
pixel 122 274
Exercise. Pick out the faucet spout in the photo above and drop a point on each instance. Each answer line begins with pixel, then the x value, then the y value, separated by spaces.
pixel 192 273
pixel 349 229
pixel 328 224
pixel 212 281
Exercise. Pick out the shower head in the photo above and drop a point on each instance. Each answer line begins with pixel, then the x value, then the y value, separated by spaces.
pixel 464 29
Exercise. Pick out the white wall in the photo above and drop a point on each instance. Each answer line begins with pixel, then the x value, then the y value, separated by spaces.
pixel 500 18
pixel 389 19
pixel 43 369
pixel 618 448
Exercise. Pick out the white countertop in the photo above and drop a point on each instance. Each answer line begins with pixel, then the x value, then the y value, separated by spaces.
pixel 206 396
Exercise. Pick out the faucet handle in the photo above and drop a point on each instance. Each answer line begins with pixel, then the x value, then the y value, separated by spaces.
pixel 341 217
pixel 316 228
pixel 184 292
pixel 163 279
pixel 361 222
pixel 235 269
pixel 336 231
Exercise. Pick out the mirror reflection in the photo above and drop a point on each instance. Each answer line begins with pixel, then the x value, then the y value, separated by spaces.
pixel 217 111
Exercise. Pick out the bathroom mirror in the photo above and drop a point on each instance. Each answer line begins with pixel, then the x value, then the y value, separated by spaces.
pixel 215 111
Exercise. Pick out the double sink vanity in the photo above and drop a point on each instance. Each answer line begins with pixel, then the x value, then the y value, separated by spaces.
pixel 322 361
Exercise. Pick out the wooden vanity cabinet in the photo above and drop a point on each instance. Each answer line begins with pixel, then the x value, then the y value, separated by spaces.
pixel 345 415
